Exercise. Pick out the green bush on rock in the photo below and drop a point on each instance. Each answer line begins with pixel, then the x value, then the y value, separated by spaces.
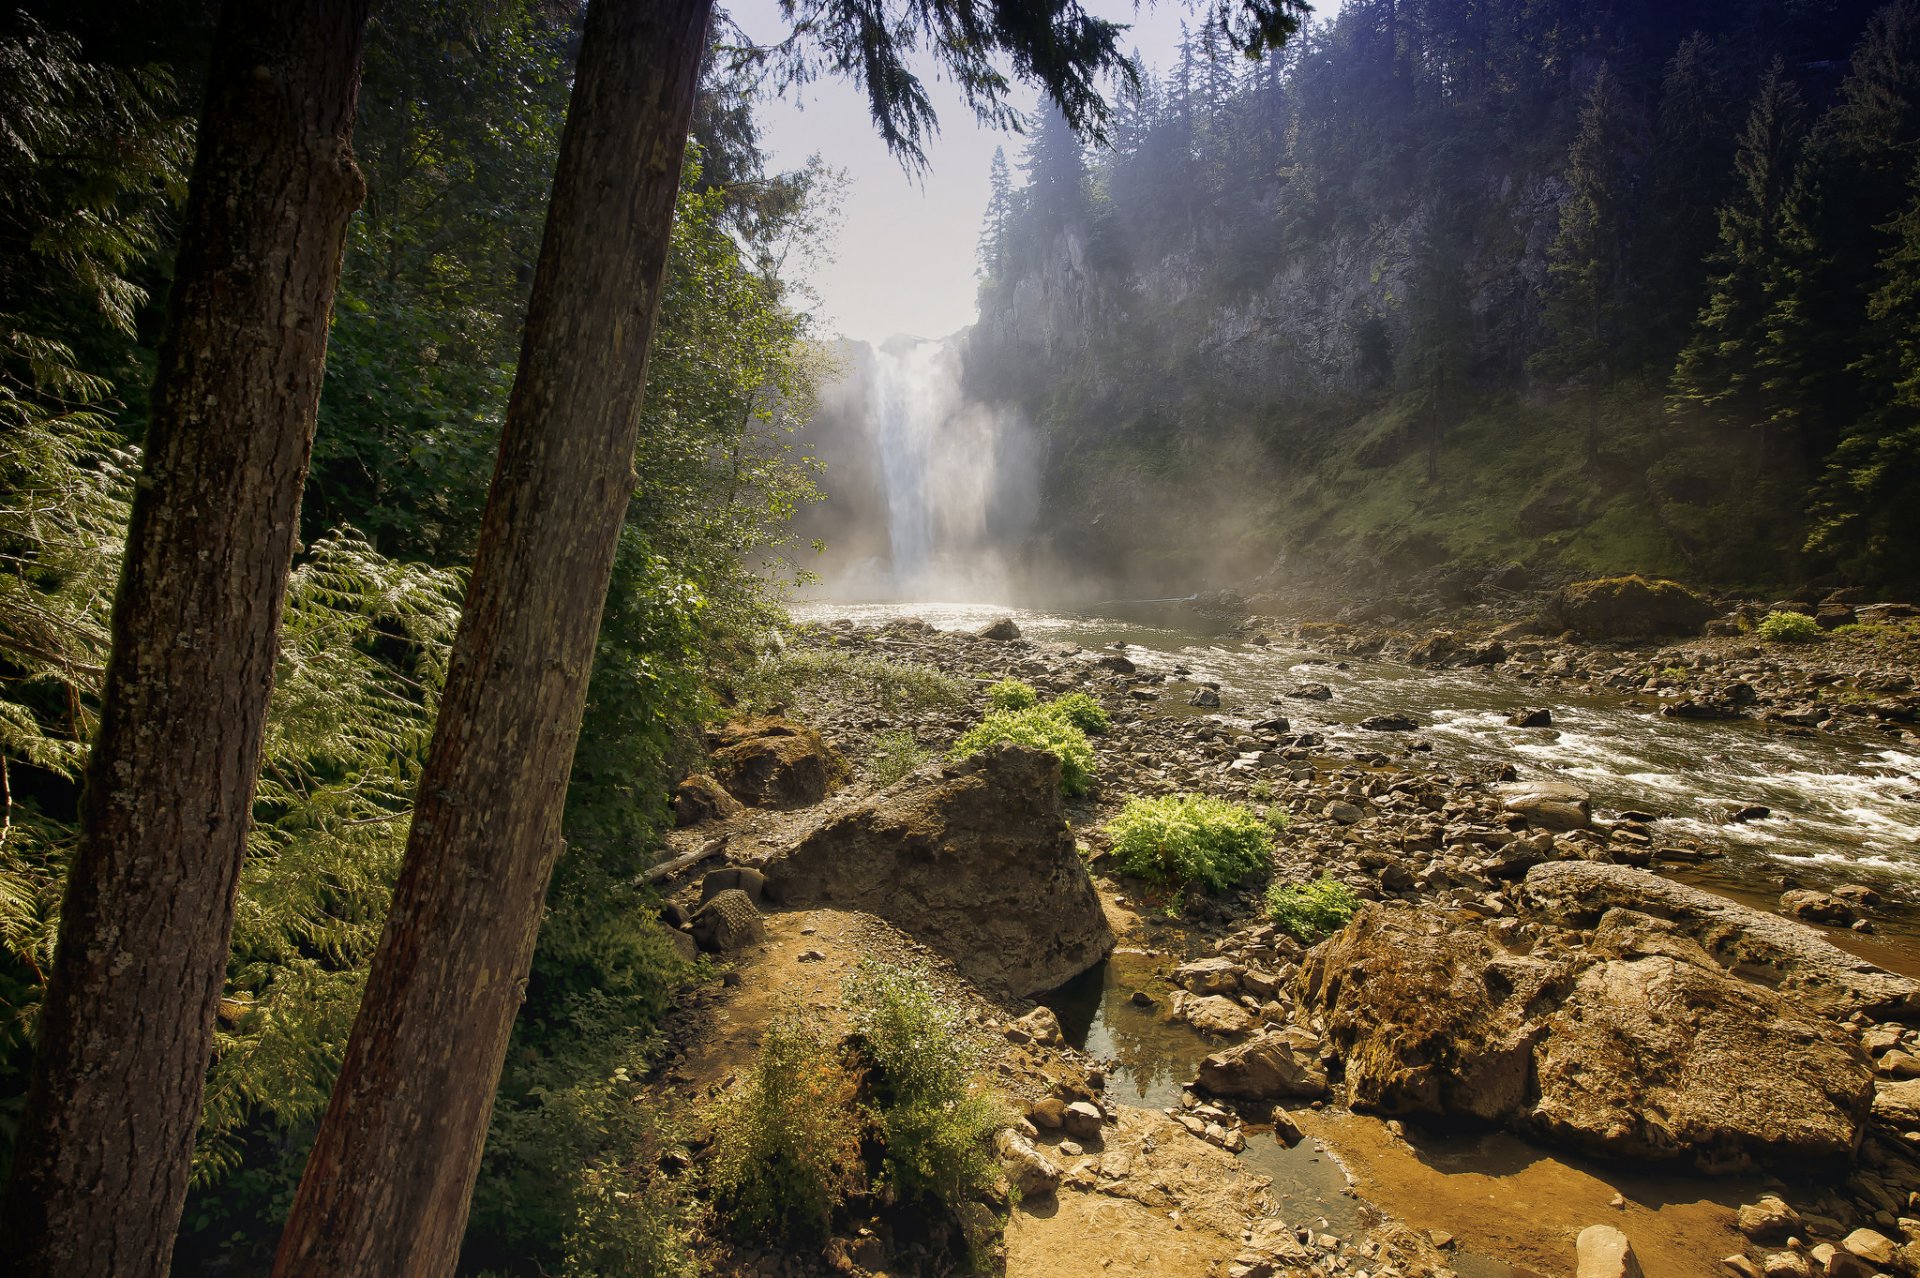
pixel 1012 694
pixel 1309 911
pixel 1789 627
pixel 1083 712
pixel 1189 838
pixel 1041 728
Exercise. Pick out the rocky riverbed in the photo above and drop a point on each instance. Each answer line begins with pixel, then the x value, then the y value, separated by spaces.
pixel 1518 967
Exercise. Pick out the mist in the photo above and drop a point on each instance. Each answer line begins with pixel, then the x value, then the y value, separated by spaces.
pixel 931 492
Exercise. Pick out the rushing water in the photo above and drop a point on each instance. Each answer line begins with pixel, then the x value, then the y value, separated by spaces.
pixel 1844 808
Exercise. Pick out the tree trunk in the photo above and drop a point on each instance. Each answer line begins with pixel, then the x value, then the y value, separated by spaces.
pixel 126 1030
pixel 386 1188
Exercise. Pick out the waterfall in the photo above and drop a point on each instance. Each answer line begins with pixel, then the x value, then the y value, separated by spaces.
pixel 957 475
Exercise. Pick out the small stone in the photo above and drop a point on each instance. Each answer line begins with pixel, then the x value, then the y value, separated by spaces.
pixel 1081 1120
pixel 1739 1264
pixel 1768 1220
pixel 1048 1113
pixel 1530 719
pixel 1871 1246
pixel 1785 1264
pixel 1602 1251
pixel 810 956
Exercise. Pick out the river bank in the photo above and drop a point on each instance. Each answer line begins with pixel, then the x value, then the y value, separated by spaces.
pixel 1402 798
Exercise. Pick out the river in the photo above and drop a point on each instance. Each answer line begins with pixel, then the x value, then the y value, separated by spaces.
pixel 1845 809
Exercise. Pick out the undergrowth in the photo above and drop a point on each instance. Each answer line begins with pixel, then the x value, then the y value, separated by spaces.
pixel 1789 627
pixel 1083 712
pixel 1012 694
pixel 1042 728
pixel 934 1121
pixel 1309 911
pixel 895 755
pixel 894 685
pixel 1184 838
pixel 786 1147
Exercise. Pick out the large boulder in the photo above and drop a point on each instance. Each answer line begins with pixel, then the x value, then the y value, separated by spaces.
pixel 1637 1045
pixel 1429 1018
pixel 1632 607
pixel 1752 944
pixel 772 763
pixel 701 798
pixel 1657 1058
pixel 976 861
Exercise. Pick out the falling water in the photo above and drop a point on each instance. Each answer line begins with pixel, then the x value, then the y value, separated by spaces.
pixel 956 473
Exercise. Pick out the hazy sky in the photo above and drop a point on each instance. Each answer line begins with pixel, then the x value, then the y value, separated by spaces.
pixel 903 258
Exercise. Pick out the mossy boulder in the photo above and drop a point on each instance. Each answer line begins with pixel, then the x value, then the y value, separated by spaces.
pixel 1632 607
pixel 772 763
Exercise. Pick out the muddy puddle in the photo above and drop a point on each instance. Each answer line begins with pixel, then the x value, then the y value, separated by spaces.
pixel 1512 1208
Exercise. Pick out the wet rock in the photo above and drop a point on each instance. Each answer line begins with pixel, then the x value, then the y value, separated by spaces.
pixel 1816 907
pixel 1761 947
pixel 1548 805
pixel 1115 662
pixel 1031 1173
pixel 1768 1220
pixel 728 922
pixel 976 861
pixel 701 798
pixel 1530 719
pixel 1602 1251
pixel 771 763
pixel 1209 976
pixel 1206 698
pixel 1389 723
pixel 1627 608
pixel 1269 1068
pixel 1312 692
pixel 1212 1014
pixel 1752 812
pixel 1002 630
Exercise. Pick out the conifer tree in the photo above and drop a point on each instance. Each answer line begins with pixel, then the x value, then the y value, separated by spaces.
pixel 993 231
pixel 1729 372
pixel 1587 298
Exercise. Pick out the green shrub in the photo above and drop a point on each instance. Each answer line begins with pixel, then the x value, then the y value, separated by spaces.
pixel 1083 712
pixel 934 1120
pixel 1040 728
pixel 1790 627
pixel 1012 694
pixel 1309 911
pixel 895 685
pixel 786 1148
pixel 895 755
pixel 1189 837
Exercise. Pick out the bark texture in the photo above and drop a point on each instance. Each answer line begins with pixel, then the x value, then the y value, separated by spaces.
pixel 386 1188
pixel 101 1168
